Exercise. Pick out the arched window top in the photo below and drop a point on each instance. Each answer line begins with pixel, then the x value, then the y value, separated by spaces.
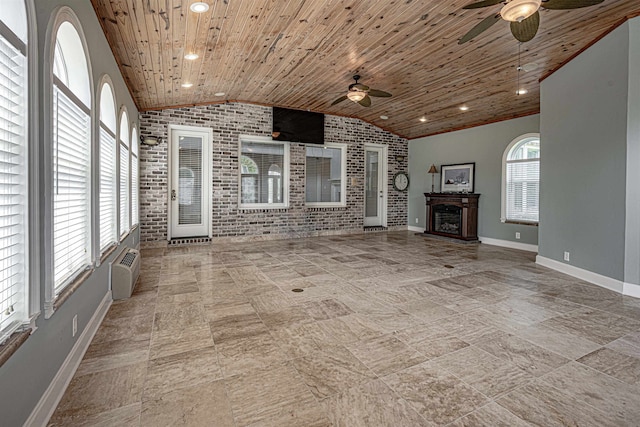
pixel 107 107
pixel 13 14
pixel 526 147
pixel 70 64
pixel 134 141
pixel 248 165
pixel 124 128
pixel 275 170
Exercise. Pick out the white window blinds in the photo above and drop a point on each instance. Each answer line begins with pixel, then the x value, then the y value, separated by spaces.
pixel 13 183
pixel 263 173
pixel 135 191
pixel 523 181
pixel 71 186
pixel 124 188
pixel 107 187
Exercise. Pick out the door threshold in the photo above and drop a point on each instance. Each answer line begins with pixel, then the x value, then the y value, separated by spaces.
pixel 181 241
pixel 368 228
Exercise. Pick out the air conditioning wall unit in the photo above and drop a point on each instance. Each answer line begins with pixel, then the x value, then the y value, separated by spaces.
pixel 124 273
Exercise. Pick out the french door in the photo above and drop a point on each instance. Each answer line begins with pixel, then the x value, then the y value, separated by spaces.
pixel 375 196
pixel 189 182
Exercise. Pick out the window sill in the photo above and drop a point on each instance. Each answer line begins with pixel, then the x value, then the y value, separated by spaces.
pixel 13 344
pixel 267 209
pixel 110 249
pixel 63 296
pixel 317 208
pixel 511 221
pixel 124 236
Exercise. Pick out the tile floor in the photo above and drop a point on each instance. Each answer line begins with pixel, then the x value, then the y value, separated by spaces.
pixel 383 334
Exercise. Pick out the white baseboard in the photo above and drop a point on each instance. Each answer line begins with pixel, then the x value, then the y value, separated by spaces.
pixel 51 397
pixel 416 229
pixel 509 244
pixel 589 276
pixel 631 289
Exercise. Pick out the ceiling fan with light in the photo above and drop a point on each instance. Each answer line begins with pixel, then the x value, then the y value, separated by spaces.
pixel 361 94
pixel 523 15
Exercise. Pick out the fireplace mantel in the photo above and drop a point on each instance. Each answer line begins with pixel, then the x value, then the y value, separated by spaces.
pixel 467 229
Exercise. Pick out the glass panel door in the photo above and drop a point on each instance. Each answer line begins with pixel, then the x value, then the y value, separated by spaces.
pixel 374 196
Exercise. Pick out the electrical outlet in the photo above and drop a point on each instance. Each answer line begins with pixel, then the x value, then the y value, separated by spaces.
pixel 416 220
pixel 566 256
pixel 517 235
pixel 74 326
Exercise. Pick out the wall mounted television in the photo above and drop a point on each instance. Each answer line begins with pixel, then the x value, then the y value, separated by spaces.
pixel 298 126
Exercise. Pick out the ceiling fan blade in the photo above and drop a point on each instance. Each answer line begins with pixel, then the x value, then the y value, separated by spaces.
pixel 365 102
pixel 527 29
pixel 569 4
pixel 339 100
pixel 360 86
pixel 483 26
pixel 480 4
pixel 379 93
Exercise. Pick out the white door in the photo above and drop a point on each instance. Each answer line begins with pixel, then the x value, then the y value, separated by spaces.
pixel 190 182
pixel 375 194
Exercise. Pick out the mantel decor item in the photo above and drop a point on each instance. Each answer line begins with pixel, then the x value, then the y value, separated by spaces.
pixel 433 170
pixel 457 178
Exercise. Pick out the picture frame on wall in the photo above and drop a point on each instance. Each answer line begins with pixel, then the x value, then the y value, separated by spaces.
pixel 457 178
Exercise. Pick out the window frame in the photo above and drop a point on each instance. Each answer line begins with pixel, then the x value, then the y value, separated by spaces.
pixel 505 158
pixel 285 172
pixel 52 300
pixel 124 232
pixel 134 145
pixel 343 176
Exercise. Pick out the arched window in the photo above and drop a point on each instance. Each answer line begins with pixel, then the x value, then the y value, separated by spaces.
pixel 249 171
pixel 71 154
pixel 124 173
pixel 521 180
pixel 108 182
pixel 14 113
pixel 135 191
pixel 275 193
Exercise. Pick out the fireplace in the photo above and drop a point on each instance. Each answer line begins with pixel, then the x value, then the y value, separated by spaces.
pixel 452 215
pixel 447 219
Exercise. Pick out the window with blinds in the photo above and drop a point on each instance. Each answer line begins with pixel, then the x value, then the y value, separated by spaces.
pixel 13 176
pixel 522 181
pixel 135 190
pixel 264 174
pixel 124 174
pixel 325 175
pixel 108 233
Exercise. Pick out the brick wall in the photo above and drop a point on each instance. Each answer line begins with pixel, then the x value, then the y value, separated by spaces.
pixel 228 121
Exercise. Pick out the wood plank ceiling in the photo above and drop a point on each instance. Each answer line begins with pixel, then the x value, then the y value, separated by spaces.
pixel 302 54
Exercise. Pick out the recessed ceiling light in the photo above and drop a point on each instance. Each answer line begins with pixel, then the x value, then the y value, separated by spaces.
pixel 191 56
pixel 522 92
pixel 187 85
pixel 199 7
pixel 219 94
pixel 530 66
pixel 384 117
pixel 423 119
pixel 464 108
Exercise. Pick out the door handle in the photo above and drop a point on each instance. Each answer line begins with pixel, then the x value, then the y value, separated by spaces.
pixel 381 194
pixel 173 194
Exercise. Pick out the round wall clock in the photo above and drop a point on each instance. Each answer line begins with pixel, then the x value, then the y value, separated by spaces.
pixel 400 181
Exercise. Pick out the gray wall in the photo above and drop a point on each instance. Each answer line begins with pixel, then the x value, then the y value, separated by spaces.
pixel 27 374
pixel 485 146
pixel 583 126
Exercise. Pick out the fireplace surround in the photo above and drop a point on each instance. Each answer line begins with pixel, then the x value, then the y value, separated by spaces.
pixel 453 215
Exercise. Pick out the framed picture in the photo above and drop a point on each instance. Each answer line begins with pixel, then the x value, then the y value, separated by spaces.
pixel 457 178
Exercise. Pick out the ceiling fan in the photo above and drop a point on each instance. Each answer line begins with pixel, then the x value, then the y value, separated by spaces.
pixel 361 94
pixel 522 14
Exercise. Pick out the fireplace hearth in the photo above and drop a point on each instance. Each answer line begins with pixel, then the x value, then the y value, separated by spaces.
pixel 452 215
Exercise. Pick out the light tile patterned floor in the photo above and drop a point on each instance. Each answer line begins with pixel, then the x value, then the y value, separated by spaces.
pixel 385 333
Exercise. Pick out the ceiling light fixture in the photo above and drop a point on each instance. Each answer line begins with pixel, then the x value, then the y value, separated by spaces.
pixel 219 94
pixel 423 119
pixel 199 7
pixel 464 108
pixel 522 92
pixel 519 10
pixel 384 117
pixel 187 85
pixel 356 95
pixel 191 56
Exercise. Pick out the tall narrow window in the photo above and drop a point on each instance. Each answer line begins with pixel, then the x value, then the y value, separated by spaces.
pixel 108 234
pixel 521 180
pixel 13 168
pixel 264 167
pixel 135 191
pixel 124 174
pixel 71 158
pixel 326 170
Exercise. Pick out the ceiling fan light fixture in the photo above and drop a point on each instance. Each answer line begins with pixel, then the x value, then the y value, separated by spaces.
pixel 191 56
pixel 356 95
pixel 199 7
pixel 522 92
pixel 519 10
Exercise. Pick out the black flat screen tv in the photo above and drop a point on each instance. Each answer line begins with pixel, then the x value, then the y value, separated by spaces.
pixel 298 126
